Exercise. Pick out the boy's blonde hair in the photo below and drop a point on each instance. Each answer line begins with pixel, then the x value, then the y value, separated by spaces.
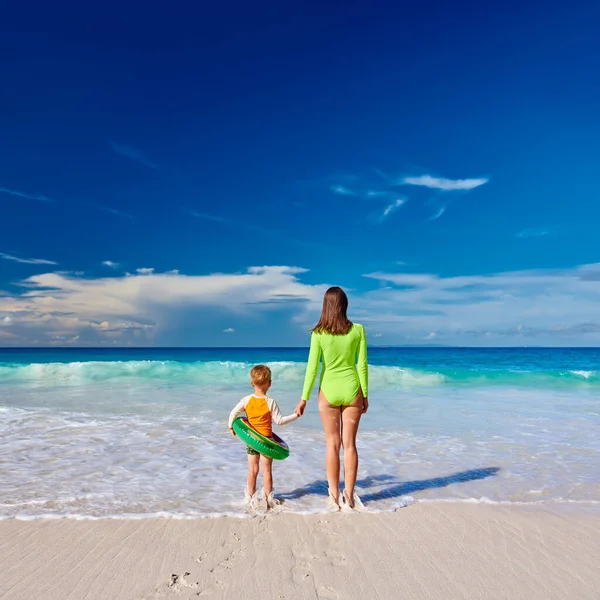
pixel 260 375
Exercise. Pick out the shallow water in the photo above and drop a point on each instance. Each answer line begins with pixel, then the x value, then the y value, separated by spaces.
pixel 143 432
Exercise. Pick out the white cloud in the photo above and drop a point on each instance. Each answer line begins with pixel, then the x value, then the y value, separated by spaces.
pixel 342 190
pixel 148 301
pixel 133 154
pixel 206 217
pixel 6 320
pixel 385 188
pixel 24 195
pixel 27 261
pixel 530 233
pixel 439 183
pixel 145 271
pixel 110 264
pixel 521 307
pixel 114 211
pixel 547 304
pixel 390 208
pixel 440 211
pixel 229 330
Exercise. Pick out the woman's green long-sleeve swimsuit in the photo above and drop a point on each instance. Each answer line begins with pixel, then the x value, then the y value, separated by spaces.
pixel 345 369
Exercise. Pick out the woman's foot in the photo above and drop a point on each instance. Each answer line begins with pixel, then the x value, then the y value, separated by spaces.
pixel 347 501
pixel 354 503
pixel 333 502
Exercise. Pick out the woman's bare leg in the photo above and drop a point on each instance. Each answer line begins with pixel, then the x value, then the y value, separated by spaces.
pixel 350 421
pixel 330 417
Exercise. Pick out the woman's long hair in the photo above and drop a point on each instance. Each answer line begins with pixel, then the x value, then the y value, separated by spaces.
pixel 333 316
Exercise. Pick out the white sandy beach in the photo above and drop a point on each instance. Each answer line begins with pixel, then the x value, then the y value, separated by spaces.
pixel 428 550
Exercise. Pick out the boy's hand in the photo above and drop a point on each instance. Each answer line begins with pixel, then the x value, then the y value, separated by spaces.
pixel 232 432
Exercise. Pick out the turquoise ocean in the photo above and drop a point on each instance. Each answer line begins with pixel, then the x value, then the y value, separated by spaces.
pixel 143 432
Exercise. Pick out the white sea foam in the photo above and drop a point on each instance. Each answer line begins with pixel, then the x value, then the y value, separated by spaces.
pixel 104 450
pixel 584 374
pixel 231 372
pixel 148 438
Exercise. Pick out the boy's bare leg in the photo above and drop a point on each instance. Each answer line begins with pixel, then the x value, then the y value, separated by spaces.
pixel 253 462
pixel 267 471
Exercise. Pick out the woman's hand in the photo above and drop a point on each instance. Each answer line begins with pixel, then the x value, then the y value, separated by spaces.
pixel 365 407
pixel 232 432
pixel 299 410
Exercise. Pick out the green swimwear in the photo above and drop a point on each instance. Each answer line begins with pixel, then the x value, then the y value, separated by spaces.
pixel 341 377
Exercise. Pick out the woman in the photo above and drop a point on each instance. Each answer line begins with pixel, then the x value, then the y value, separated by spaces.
pixel 343 388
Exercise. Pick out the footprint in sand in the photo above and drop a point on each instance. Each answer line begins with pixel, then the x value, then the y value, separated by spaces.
pixel 327 593
pixel 337 559
pixel 177 583
pixel 301 571
pixel 323 526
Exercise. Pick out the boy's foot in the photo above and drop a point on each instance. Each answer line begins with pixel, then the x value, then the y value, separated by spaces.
pixel 250 501
pixel 272 502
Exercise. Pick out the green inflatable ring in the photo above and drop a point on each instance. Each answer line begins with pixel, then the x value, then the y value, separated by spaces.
pixel 276 449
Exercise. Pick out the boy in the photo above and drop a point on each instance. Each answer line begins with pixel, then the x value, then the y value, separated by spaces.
pixel 260 410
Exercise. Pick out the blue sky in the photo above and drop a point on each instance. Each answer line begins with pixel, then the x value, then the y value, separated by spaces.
pixel 193 176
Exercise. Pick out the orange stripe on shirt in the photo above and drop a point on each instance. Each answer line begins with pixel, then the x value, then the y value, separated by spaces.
pixel 259 415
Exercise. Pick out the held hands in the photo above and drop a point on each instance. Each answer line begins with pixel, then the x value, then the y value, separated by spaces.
pixel 299 410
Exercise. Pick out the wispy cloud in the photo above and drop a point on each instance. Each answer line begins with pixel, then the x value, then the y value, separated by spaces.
pixel 145 271
pixel 439 183
pixel 27 261
pixel 440 211
pixel 18 194
pixel 229 330
pixel 110 264
pixel 380 186
pixel 342 190
pixel 114 211
pixel 133 154
pixel 266 230
pixel 206 217
pixel 532 233
pixel 372 194
pixel 378 194
pixel 390 208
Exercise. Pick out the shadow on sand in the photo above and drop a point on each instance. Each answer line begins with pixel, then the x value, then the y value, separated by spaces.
pixel 394 488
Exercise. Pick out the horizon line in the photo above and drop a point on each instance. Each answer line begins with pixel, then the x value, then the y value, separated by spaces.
pixel 390 346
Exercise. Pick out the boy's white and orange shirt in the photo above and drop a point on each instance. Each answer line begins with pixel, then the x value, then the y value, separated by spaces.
pixel 261 412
